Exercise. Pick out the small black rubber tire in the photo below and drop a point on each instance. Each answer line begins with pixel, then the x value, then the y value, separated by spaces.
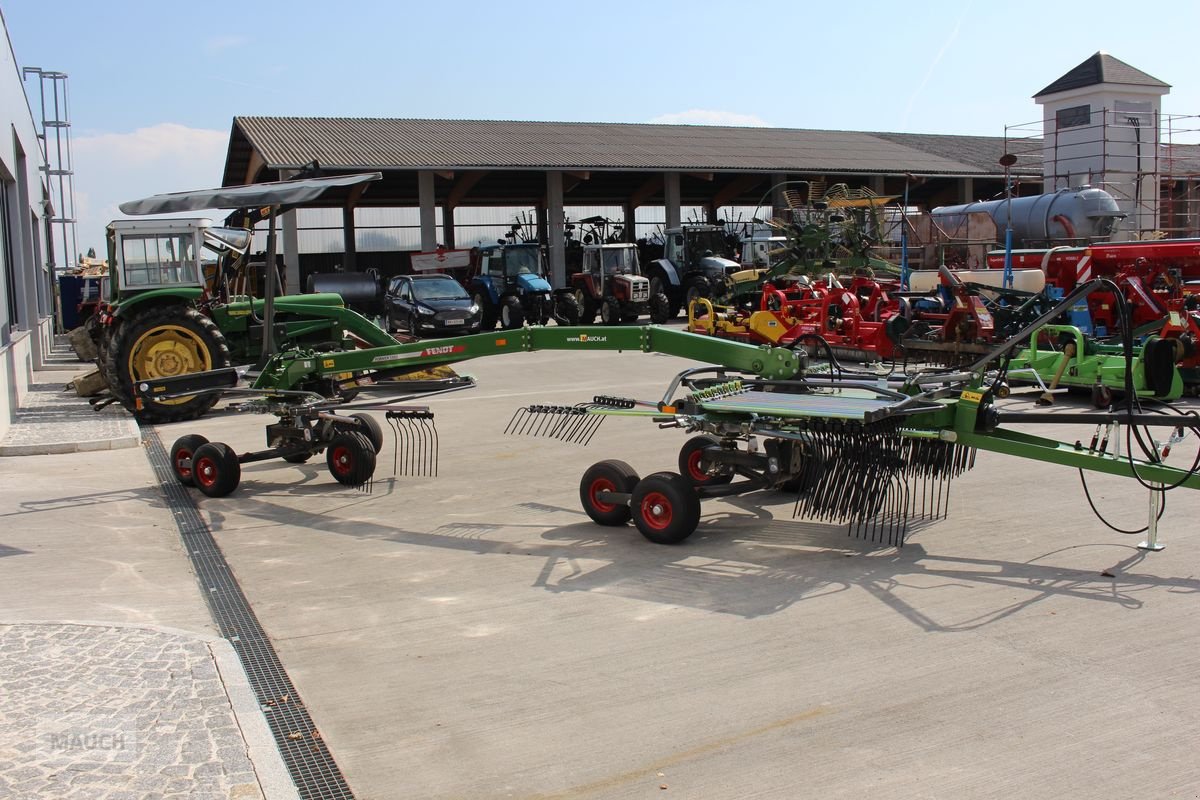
pixel 607 476
pixel 184 449
pixel 371 427
pixel 689 462
pixel 587 307
pixel 512 315
pixel 1102 396
pixel 610 311
pixel 665 507
pixel 216 469
pixel 487 312
pixel 697 287
pixel 660 308
pixel 567 311
pixel 350 458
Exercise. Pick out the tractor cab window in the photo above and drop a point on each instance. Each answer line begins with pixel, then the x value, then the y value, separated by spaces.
pixel 159 259
pixel 709 243
pixel 675 247
pixel 618 261
pixel 522 261
pixel 591 261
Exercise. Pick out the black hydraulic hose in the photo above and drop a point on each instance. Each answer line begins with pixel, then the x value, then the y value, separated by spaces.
pixel 1161 509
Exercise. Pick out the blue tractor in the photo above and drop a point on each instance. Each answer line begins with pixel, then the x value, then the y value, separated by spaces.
pixel 510 286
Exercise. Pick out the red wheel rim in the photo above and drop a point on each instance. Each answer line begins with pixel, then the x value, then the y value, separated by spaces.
pixel 183 463
pixel 343 460
pixel 656 510
pixel 693 465
pixel 206 471
pixel 601 485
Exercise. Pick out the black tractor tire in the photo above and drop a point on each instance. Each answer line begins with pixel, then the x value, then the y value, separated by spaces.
pixel 665 507
pixel 216 469
pixel 660 308
pixel 630 314
pixel 163 342
pixel 487 311
pixel 660 285
pixel 697 287
pixel 689 462
pixel 610 311
pixel 587 307
pixel 566 310
pixel 182 453
pixel 512 315
pixel 607 476
pixel 370 426
pixel 350 458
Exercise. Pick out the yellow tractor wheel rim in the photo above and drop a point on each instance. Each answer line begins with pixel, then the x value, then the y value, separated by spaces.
pixel 165 351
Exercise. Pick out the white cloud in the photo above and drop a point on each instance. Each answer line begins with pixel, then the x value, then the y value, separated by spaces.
pixel 217 44
pixel 700 116
pixel 111 168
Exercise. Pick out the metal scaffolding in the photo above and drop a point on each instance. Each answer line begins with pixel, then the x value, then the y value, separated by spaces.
pixel 55 136
pixel 1149 162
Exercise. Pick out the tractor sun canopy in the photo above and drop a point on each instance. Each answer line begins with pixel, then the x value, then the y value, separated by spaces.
pixel 278 193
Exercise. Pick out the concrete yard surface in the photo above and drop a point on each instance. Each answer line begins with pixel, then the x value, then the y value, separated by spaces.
pixel 476 635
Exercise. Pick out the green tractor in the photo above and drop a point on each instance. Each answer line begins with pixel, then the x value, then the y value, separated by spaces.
pixel 166 316
pixel 180 300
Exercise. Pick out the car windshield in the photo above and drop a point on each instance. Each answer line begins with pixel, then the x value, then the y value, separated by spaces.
pixel 522 261
pixel 439 289
pixel 617 260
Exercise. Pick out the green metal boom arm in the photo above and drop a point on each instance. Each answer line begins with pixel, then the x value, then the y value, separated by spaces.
pixel 287 370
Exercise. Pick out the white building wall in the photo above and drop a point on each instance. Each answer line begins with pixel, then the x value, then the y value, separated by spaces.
pixel 26 295
pixel 1109 152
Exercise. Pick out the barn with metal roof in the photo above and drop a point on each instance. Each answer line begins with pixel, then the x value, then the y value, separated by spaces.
pixel 450 164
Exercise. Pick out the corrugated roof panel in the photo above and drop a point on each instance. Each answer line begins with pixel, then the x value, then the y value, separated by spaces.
pixel 344 143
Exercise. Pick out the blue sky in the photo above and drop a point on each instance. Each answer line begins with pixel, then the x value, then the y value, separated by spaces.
pixel 154 86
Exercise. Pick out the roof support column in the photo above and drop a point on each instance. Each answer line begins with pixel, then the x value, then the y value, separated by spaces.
pixel 291 244
pixel 966 190
pixel 291 254
pixel 448 226
pixel 554 207
pixel 348 240
pixel 629 215
pixel 428 203
pixel 543 224
pixel 876 184
pixel 671 199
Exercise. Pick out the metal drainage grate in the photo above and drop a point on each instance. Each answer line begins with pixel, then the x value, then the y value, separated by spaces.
pixel 309 761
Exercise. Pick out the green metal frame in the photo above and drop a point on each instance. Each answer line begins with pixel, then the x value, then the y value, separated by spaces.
pixel 290 369
pixel 1101 364
pixel 1052 451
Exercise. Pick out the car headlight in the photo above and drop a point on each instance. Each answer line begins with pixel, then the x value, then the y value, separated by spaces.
pixel 474 309
pixel 426 312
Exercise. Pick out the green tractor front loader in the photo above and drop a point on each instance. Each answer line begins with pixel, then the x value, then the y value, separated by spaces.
pixel 181 298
